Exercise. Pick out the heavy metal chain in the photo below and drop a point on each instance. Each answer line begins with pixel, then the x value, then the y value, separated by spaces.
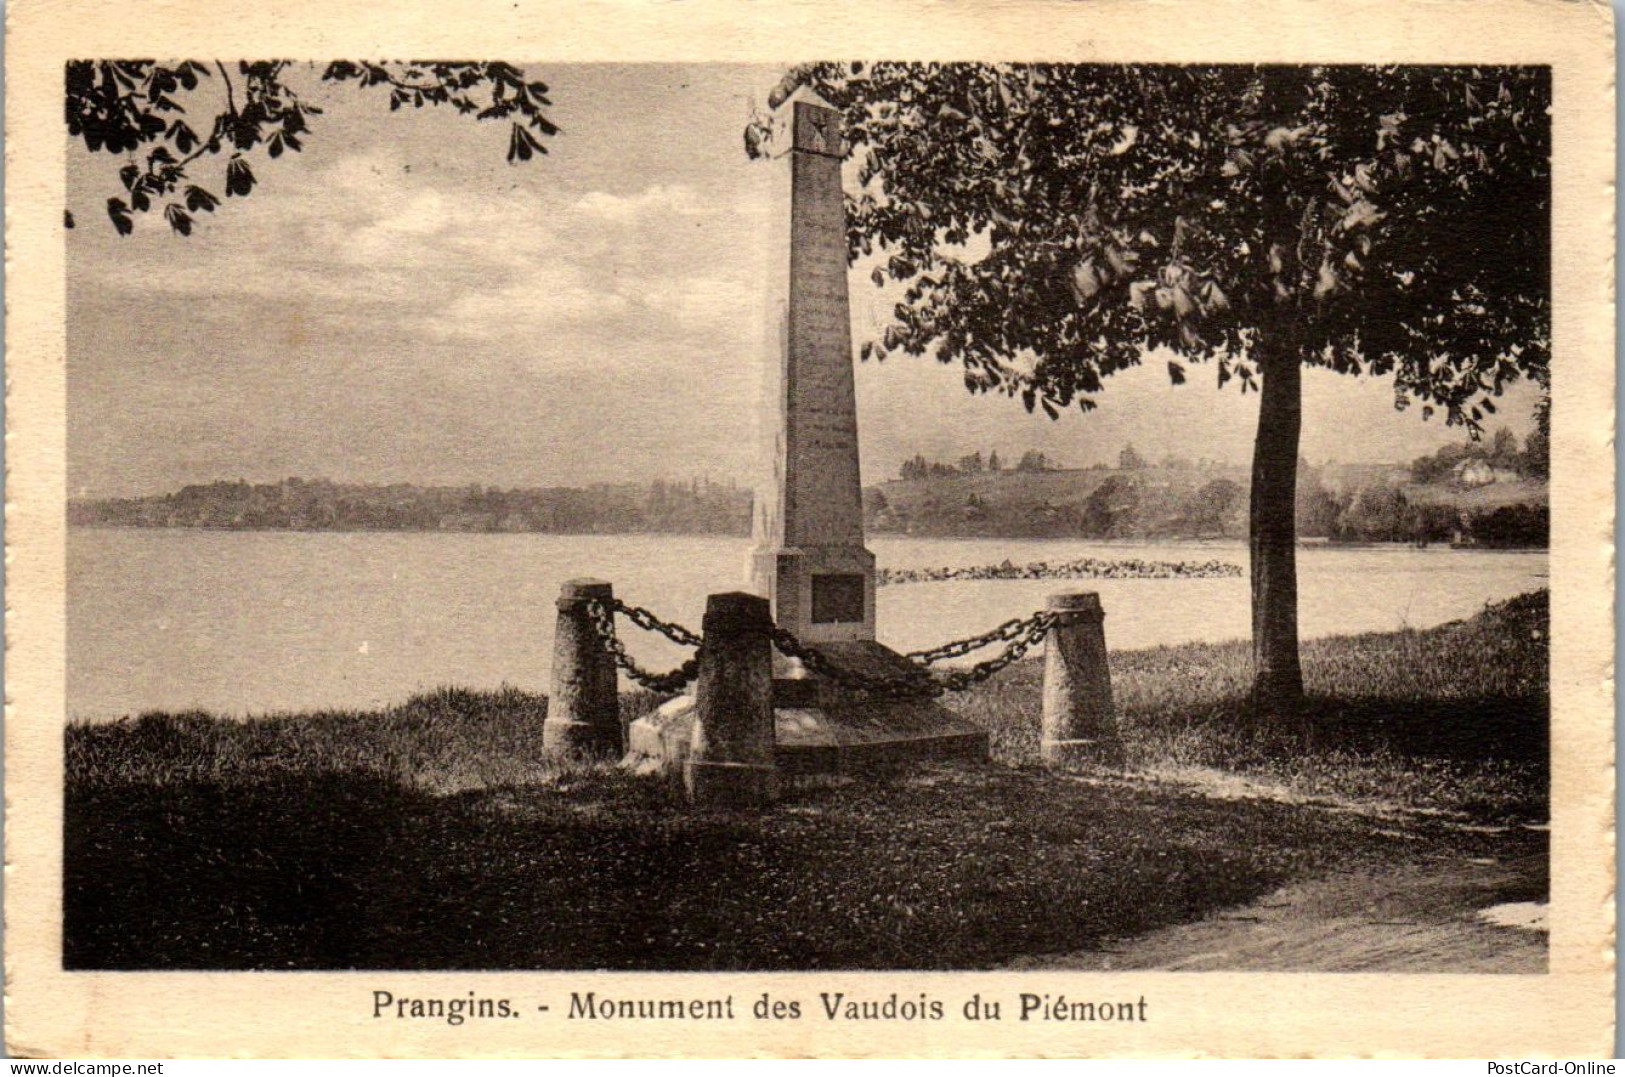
pixel 603 620
pixel 915 685
pixel 1029 634
pixel 1021 635
pixel 1018 634
pixel 1009 630
pixel 647 621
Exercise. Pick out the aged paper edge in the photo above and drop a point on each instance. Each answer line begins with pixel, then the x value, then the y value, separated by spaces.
pixel 1568 1011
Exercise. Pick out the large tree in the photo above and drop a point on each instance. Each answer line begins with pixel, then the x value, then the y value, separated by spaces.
pixel 167 121
pixel 1054 224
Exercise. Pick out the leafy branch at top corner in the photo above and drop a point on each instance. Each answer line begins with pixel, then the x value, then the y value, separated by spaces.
pixel 165 118
pixel 492 90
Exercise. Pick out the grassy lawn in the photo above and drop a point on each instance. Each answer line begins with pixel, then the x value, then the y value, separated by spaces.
pixel 1451 719
pixel 437 835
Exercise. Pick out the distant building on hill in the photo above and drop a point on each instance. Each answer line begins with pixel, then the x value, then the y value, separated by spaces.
pixel 1479 472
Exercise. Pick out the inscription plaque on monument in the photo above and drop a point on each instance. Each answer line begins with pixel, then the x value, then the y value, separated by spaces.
pixel 837 598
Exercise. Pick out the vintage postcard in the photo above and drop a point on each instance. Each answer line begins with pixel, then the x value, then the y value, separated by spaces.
pixel 824 528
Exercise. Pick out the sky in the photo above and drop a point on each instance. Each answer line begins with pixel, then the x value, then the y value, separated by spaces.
pixel 399 304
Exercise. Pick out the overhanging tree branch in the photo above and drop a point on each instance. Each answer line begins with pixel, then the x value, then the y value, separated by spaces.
pixel 140 109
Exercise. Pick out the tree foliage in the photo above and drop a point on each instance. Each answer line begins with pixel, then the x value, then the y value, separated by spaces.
pixel 1052 223
pixel 1033 460
pixel 168 120
pixel 1501 453
pixel 1212 507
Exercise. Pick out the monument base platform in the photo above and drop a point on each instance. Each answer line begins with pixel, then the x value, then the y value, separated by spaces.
pixel 822 728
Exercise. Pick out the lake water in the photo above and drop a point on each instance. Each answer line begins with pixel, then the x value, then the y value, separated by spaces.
pixel 253 622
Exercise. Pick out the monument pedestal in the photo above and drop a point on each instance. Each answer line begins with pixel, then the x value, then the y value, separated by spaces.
pixel 821 727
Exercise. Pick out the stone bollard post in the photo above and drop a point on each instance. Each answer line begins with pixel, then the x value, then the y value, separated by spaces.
pixel 584 709
pixel 1080 723
pixel 730 762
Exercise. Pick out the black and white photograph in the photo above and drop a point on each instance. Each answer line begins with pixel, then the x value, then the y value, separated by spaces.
pixel 1064 520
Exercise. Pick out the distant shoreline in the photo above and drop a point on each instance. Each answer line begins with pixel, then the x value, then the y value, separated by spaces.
pixel 1209 543
pixel 216 529
pixel 1138 504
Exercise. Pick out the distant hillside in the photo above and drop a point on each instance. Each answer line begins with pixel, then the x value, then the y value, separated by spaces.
pixel 1504 492
pixel 1358 503
pixel 1371 504
pixel 699 507
pixel 1137 503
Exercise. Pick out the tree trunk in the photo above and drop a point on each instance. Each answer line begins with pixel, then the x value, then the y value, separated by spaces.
pixel 1272 538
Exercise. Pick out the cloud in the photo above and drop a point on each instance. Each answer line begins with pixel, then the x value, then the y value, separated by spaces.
pixel 563 296
pixel 705 302
pixel 449 230
pixel 424 214
pixel 546 297
pixel 555 268
pixel 676 200
pixel 368 252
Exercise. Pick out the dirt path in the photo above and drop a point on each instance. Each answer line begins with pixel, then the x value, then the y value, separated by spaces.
pixel 1427 915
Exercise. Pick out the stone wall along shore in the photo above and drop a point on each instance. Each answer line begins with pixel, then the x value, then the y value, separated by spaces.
pixel 1084 568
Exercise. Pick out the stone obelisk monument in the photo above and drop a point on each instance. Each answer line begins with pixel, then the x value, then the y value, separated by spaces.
pixel 810 560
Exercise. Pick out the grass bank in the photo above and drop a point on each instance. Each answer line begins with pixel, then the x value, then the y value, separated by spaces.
pixel 1451 719
pixel 436 834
